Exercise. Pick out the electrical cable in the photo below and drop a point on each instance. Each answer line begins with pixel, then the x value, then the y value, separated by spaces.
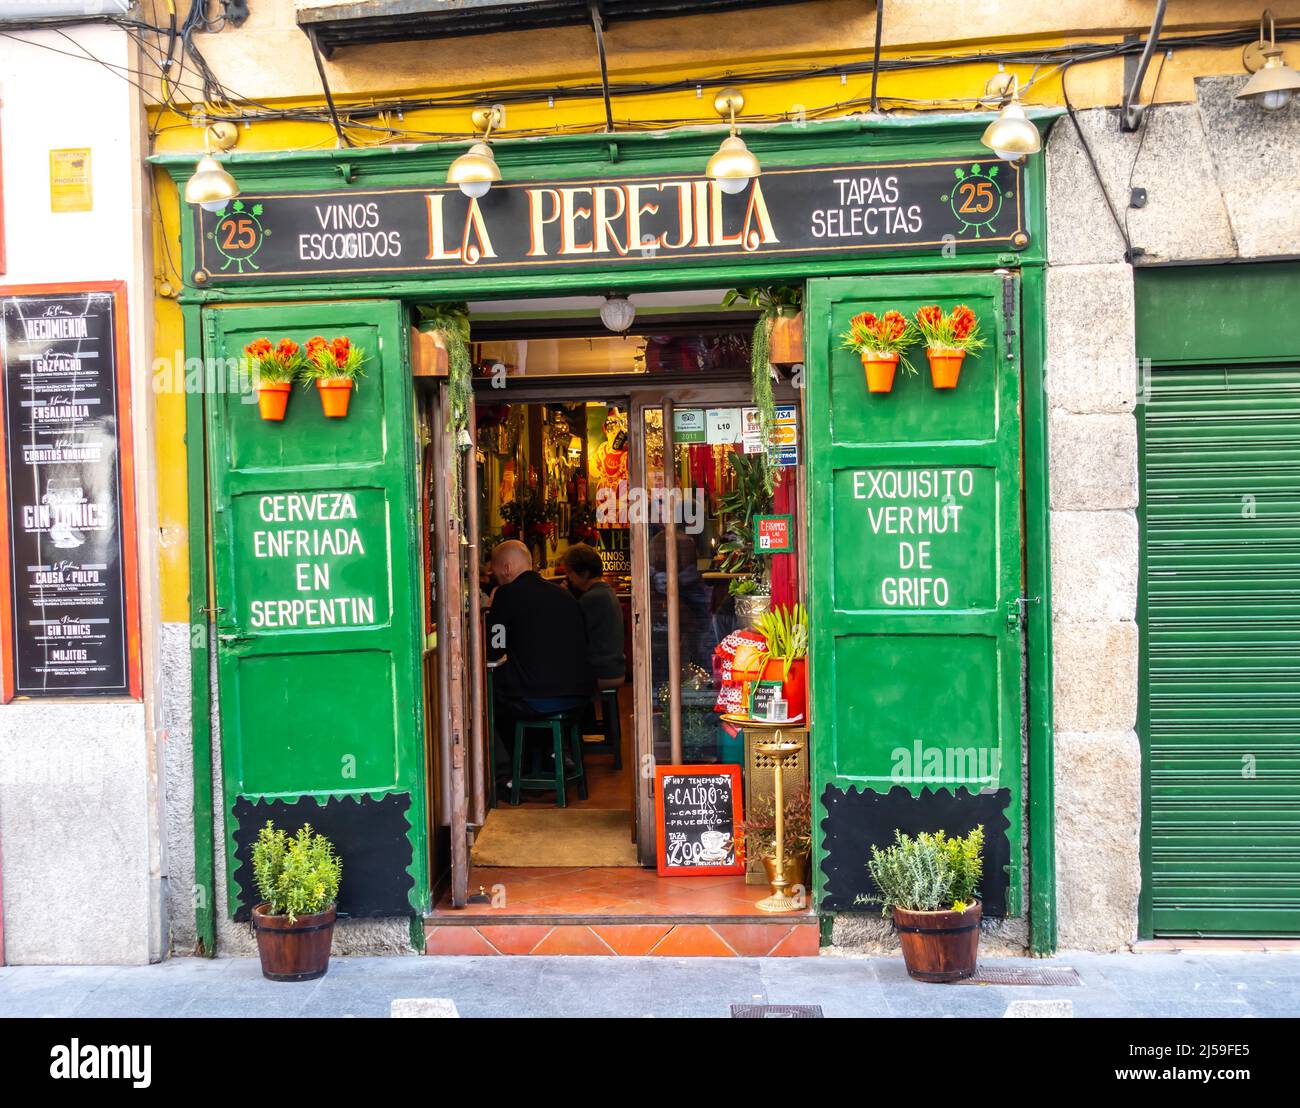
pixel 1087 149
pixel 1142 138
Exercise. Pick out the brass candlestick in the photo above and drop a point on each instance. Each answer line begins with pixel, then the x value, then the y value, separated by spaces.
pixel 779 750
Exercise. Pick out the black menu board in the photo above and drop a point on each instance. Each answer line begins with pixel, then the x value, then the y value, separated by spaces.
pixel 71 609
pixel 697 820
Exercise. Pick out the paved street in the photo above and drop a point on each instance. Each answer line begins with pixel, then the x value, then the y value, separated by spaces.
pixel 1213 984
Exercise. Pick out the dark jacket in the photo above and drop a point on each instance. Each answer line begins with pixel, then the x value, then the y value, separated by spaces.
pixel 604 616
pixel 540 629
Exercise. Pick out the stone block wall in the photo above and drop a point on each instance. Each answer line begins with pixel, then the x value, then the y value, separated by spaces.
pixel 1222 181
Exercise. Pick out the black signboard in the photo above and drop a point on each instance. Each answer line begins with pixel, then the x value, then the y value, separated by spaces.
pixel 697 820
pixel 70 602
pixel 520 226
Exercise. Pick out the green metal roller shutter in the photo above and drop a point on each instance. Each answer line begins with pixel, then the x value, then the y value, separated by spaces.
pixel 1221 710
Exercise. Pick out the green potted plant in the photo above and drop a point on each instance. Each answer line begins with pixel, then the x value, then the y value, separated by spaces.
pixel 948 337
pixel 298 879
pixel 930 885
pixel 449 327
pixel 786 632
pixel 273 369
pixel 334 366
pixel 760 834
pixel 881 342
pixel 779 307
pixel 736 511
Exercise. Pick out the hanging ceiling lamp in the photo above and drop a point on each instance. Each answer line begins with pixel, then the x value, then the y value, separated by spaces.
pixel 1273 83
pixel 618 312
pixel 211 187
pixel 734 165
pixel 476 171
pixel 1012 136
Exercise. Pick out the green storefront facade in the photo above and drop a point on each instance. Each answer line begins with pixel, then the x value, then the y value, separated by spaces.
pixel 931 649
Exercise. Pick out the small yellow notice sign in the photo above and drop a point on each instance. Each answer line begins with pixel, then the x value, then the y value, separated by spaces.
pixel 70 188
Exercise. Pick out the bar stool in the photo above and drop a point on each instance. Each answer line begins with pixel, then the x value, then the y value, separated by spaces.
pixel 559 725
pixel 611 726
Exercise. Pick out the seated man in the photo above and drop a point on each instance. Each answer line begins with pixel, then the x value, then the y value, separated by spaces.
pixel 539 630
pixel 603 614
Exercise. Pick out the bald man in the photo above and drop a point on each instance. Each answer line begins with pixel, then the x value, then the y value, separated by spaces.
pixel 539 630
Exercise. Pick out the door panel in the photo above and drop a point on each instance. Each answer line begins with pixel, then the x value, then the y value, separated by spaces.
pixel 317 608
pixel 915 560
pixel 1221 666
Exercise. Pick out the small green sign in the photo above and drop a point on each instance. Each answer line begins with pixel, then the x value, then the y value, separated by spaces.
pixel 774 534
pixel 689 426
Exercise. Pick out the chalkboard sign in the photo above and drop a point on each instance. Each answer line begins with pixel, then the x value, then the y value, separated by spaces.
pixel 697 820
pixel 69 609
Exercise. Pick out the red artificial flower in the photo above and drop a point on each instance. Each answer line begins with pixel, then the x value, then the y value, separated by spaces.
pixel 339 348
pixel 963 321
pixel 893 325
pixel 258 348
pixel 931 315
pixel 286 348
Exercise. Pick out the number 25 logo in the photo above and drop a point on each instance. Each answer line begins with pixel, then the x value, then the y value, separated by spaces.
pixel 238 235
pixel 976 199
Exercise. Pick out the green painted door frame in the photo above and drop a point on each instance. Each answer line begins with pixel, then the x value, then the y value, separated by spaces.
pixel 577 156
pixel 916 569
pixel 317 609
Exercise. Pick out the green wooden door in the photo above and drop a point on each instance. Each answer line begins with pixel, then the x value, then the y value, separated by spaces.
pixel 1221 660
pixel 316 571
pixel 915 571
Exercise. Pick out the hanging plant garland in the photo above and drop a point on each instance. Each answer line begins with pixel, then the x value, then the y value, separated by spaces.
pixel 451 322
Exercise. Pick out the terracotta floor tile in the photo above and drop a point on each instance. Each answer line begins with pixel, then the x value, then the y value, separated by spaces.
pixel 692 940
pixel 457 940
pixel 690 884
pixel 572 940
pixel 581 903
pixel 751 940
pixel 803 941
pixel 633 939
pixel 514 938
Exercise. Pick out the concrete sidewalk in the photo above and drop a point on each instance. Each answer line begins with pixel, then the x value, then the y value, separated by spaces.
pixel 1175 983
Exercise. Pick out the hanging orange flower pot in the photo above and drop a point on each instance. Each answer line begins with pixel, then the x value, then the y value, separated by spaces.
pixel 335 394
pixel 945 366
pixel 273 398
pixel 880 369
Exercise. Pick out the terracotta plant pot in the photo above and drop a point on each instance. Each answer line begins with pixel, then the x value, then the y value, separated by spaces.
pixel 880 370
pixel 298 951
pixel 939 946
pixel 945 367
pixel 335 393
pixel 273 398
pixel 786 346
pixel 796 870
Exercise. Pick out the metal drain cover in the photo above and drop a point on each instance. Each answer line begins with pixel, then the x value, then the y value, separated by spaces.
pixel 985 975
pixel 776 1012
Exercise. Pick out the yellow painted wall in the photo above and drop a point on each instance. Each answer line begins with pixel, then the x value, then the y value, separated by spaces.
pixel 268 60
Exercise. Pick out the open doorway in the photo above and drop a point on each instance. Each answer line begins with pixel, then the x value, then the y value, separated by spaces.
pixel 573 427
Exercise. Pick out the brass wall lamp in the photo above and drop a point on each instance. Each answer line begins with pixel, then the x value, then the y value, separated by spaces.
pixel 211 187
pixel 1012 136
pixel 1273 83
pixel 734 165
pixel 476 170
